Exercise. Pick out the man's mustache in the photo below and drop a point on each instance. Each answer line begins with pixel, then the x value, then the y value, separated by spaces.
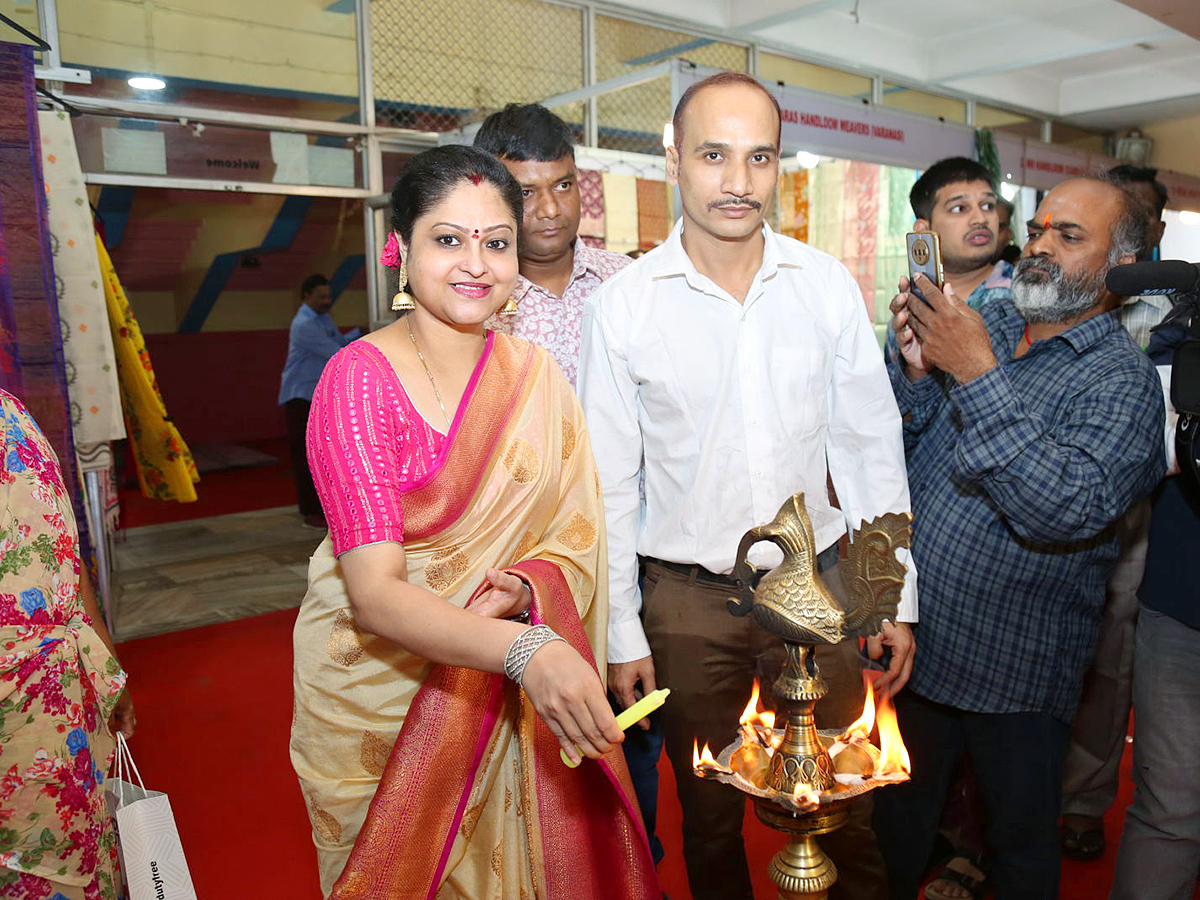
pixel 1038 264
pixel 734 201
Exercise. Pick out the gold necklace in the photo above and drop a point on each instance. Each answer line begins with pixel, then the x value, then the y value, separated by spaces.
pixel 432 383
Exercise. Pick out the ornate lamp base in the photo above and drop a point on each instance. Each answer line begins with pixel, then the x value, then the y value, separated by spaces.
pixel 801 870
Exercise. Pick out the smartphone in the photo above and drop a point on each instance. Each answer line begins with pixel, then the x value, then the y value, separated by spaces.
pixel 924 257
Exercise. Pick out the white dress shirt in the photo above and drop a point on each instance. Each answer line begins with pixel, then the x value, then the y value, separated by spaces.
pixel 726 409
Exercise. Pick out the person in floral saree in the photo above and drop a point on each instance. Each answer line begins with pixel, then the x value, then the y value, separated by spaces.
pixel 466 541
pixel 61 687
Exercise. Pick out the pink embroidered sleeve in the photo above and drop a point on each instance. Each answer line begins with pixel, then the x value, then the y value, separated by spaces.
pixel 355 452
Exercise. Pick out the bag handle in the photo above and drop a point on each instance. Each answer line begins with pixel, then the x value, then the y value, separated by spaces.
pixel 124 765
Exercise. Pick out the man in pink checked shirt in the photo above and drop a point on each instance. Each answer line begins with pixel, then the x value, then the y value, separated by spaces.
pixel 558 271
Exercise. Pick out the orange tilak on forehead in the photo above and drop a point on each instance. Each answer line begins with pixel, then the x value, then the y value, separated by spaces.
pixel 1046 222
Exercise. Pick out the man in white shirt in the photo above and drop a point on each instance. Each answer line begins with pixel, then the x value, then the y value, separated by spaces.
pixel 730 368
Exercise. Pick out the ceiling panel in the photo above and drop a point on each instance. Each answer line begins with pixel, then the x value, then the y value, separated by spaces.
pixel 1062 58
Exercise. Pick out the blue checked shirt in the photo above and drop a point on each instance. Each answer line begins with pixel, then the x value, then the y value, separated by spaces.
pixel 1016 478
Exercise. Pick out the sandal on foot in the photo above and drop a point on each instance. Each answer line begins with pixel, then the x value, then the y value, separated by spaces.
pixel 976 887
pixel 1083 845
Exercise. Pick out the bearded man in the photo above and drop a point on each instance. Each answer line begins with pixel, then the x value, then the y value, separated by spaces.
pixel 1030 426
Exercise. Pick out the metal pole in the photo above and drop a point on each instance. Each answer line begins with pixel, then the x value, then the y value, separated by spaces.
pixel 591 116
pixel 372 161
pixel 100 539
pixel 48 25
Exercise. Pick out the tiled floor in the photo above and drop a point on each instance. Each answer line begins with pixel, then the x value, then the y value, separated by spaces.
pixel 186 574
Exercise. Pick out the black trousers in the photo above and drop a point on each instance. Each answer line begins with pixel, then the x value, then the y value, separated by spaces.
pixel 296 412
pixel 1017 760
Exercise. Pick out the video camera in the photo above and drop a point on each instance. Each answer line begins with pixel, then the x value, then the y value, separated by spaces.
pixel 1181 281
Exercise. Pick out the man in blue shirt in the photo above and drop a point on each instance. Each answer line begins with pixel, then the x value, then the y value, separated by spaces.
pixel 1031 425
pixel 312 340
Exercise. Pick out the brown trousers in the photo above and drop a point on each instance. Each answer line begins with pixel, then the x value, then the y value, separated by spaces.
pixel 709 658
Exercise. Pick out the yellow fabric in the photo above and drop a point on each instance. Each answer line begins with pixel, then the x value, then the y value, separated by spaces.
pixel 537 498
pixel 165 468
pixel 620 212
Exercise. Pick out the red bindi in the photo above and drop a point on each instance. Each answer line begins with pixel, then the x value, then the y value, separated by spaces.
pixel 475 233
pixel 476 178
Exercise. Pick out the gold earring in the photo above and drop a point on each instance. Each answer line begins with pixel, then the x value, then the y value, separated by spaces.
pixel 403 300
pixel 510 306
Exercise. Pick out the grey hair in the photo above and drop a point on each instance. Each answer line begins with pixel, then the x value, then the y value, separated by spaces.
pixel 1129 231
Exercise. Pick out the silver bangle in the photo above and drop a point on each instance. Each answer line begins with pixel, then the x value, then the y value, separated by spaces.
pixel 521 650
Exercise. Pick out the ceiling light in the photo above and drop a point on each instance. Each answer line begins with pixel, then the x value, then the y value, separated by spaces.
pixel 807 160
pixel 1189 217
pixel 146 83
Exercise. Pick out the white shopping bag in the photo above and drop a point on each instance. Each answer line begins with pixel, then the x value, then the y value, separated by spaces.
pixel 152 858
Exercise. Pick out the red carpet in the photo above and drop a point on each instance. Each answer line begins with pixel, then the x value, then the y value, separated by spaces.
pixel 214 709
pixel 220 493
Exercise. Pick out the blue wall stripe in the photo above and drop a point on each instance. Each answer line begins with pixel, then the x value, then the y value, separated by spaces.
pixel 341 6
pixel 345 272
pixel 287 222
pixel 113 206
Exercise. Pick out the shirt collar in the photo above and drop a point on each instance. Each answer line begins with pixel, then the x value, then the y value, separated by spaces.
pixel 307 312
pixel 671 259
pixel 585 260
pixel 1000 276
pixel 1079 337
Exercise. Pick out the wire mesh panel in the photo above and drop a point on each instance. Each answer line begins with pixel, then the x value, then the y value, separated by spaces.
pixel 633 118
pixel 440 65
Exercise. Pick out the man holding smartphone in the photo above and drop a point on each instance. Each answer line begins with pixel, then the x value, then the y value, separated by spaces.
pixel 1030 425
pixel 956 198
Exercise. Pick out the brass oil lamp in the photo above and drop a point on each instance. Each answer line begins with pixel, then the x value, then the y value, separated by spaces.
pixel 802 781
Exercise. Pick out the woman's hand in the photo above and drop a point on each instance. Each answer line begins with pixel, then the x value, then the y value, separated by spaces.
pixel 506 596
pixel 568 695
pixel 123 718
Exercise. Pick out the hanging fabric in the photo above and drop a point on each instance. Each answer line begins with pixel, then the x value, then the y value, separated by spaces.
pixel 32 365
pixel 620 212
pixel 165 468
pixel 87 341
pixel 654 223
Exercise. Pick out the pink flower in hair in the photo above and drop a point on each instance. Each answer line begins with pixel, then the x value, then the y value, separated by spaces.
pixel 390 255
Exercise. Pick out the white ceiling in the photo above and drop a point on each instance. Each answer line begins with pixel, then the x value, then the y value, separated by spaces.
pixel 1097 63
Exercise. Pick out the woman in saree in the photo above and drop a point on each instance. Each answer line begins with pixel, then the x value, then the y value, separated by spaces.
pixel 62 691
pixel 447 647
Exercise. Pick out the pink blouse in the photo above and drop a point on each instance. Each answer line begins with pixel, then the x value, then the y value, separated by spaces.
pixel 367 444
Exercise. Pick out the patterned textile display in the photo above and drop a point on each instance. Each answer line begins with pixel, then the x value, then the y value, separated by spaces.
pixel 165 468
pixel 58 686
pixel 468 799
pixel 860 226
pixel 793 204
pixel 895 221
pixel 654 222
pixel 32 365
pixel 620 212
pixel 827 207
pixel 87 341
pixel 591 204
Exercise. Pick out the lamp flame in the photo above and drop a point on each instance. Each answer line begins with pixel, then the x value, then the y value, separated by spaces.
pixel 752 715
pixel 803 791
pixel 752 707
pixel 893 756
pixel 866 722
pixel 702 757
